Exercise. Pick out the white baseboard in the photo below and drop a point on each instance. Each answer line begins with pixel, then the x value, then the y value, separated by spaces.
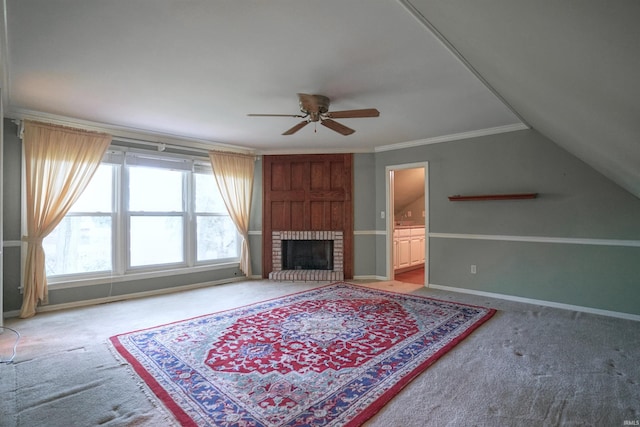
pixel 620 315
pixel 10 314
pixel 96 301
pixel 370 277
pixel 55 307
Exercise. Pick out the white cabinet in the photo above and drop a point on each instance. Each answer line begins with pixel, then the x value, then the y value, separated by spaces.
pixel 417 246
pixel 416 243
pixel 404 253
pixel 408 248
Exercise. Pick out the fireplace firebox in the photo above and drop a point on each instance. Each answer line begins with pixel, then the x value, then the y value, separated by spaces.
pixel 307 254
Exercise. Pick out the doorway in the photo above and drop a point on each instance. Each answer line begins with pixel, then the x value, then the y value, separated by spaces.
pixel 408 222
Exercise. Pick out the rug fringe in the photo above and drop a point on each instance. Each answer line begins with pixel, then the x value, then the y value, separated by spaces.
pixel 151 397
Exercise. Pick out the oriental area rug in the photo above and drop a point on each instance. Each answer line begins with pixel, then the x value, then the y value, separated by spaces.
pixel 330 356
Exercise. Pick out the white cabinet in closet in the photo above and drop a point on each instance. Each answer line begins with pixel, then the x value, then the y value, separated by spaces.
pixel 409 248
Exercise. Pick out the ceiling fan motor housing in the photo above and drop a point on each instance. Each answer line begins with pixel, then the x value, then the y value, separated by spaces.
pixel 314 105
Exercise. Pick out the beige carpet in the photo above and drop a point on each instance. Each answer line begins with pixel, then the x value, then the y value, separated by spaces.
pixel 528 365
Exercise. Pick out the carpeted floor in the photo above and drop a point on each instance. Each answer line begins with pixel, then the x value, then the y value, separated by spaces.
pixel 528 365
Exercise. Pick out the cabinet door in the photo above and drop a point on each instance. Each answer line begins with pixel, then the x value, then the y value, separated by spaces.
pixel 417 250
pixel 404 253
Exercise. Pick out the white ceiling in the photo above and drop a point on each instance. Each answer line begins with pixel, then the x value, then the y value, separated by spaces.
pixel 570 68
pixel 194 69
pixel 191 71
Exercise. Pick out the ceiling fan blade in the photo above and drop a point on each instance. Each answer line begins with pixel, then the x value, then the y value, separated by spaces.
pixel 340 128
pixel 297 127
pixel 351 114
pixel 276 115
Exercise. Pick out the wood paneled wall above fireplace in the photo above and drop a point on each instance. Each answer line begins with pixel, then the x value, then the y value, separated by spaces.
pixel 308 192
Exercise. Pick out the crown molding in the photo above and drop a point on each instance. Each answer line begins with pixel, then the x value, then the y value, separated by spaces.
pixel 133 135
pixel 125 133
pixel 291 151
pixel 454 137
pixel 398 146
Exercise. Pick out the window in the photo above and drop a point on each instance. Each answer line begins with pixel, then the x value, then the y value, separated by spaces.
pixel 218 237
pixel 86 230
pixel 157 216
pixel 143 212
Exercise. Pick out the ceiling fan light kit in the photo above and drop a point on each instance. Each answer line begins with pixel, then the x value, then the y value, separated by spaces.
pixel 316 109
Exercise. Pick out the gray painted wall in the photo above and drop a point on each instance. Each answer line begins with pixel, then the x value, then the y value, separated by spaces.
pixel 364 224
pixel 255 222
pixel 574 202
pixel 12 154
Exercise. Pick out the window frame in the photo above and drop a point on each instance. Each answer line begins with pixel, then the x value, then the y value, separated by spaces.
pixel 74 277
pixel 201 169
pixel 128 214
pixel 121 218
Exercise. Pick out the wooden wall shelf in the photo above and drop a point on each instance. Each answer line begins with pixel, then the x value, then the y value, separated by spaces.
pixel 517 196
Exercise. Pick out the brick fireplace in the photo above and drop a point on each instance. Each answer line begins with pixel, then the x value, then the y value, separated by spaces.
pixel 336 272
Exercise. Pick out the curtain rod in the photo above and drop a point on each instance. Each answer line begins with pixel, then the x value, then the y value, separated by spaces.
pixel 160 146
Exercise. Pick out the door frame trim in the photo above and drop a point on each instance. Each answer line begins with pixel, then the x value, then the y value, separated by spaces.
pixel 389 218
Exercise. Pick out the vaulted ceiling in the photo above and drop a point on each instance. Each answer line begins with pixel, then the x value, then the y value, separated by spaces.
pixel 189 72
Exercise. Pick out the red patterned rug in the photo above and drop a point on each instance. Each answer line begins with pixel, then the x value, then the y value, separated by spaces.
pixel 331 356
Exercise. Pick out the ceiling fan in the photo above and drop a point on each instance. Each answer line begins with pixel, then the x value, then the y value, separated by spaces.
pixel 316 109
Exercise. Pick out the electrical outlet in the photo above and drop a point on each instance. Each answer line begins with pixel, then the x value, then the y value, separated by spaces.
pixel 473 269
pixel 381 214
